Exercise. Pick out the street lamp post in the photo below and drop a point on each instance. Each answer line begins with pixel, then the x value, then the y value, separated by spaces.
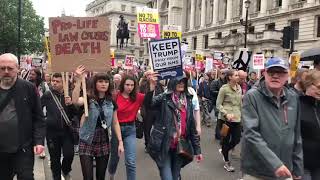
pixel 19 29
pixel 247 5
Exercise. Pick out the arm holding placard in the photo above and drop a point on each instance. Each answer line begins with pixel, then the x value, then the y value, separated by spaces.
pixel 76 99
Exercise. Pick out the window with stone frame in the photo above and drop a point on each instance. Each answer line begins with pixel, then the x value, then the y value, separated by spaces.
pixel 318 26
pixel 251 30
pixel 133 9
pixel 194 43
pixel 277 3
pixel 295 25
pixel 133 23
pixel 233 31
pixel 258 6
pixel 219 35
pixel 271 26
pixel 123 7
pixel 206 41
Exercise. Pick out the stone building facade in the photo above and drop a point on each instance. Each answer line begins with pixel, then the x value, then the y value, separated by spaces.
pixel 214 25
pixel 113 9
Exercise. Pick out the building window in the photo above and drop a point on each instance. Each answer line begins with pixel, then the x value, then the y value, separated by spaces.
pixel 123 7
pixel 295 26
pixel 132 38
pixel 258 5
pixel 133 9
pixel 140 53
pixel 278 3
pixel 219 35
pixel 141 41
pixel 206 41
pixel 318 26
pixel 271 27
pixel 132 23
pixel 194 43
pixel 251 30
pixel 233 31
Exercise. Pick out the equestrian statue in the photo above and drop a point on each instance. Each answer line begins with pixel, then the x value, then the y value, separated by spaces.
pixel 122 32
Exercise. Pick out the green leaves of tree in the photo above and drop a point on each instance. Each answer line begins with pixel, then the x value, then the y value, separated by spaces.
pixel 32 28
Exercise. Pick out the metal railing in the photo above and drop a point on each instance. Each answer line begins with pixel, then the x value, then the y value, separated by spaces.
pixel 273 11
pixel 297 5
pixel 236 19
pixel 254 15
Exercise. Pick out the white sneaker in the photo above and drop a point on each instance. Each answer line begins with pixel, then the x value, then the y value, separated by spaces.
pixel 42 155
pixel 220 151
pixel 228 167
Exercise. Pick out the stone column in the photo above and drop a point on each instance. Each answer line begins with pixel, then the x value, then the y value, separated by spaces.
pixel 229 11
pixel 244 9
pixel 215 15
pixel 203 14
pixel 264 7
pixel 192 14
pixel 285 4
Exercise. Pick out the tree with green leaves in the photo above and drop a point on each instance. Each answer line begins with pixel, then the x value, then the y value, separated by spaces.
pixel 32 28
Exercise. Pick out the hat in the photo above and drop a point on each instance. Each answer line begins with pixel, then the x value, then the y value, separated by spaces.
pixel 277 62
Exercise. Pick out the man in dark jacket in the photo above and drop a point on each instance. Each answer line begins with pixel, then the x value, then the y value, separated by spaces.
pixel 22 126
pixel 271 145
pixel 214 91
pixel 59 135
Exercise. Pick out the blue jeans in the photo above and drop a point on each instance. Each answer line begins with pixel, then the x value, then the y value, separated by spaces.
pixel 129 142
pixel 171 167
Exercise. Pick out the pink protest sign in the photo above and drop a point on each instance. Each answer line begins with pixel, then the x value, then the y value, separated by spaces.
pixel 149 30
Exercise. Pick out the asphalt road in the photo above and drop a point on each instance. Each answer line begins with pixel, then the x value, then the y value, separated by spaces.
pixel 211 168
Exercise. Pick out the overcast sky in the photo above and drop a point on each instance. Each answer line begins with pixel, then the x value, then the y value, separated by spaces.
pixel 53 8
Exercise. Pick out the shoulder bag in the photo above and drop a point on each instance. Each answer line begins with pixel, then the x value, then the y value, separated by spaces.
pixel 61 109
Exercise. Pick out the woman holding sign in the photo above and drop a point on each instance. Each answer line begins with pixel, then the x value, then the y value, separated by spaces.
pixel 94 139
pixel 173 139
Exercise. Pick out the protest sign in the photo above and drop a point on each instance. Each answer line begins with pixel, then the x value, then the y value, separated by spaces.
pixel 166 57
pixel 80 40
pixel 209 64
pixel 128 64
pixel 148 23
pixel 294 63
pixel 199 57
pixel 258 61
pixel 37 62
pixel 199 65
pixel 171 31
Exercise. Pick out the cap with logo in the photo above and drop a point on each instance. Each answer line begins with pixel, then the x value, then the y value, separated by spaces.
pixel 277 62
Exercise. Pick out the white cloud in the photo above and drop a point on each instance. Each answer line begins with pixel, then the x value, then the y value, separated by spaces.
pixel 54 8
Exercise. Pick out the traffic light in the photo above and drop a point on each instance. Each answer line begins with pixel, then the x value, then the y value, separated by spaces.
pixel 287 37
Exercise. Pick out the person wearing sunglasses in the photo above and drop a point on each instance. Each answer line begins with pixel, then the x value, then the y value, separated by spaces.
pixel 271 144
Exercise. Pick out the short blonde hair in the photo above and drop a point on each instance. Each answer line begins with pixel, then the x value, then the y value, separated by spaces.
pixel 312 77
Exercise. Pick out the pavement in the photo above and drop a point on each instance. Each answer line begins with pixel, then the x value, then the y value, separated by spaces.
pixel 211 168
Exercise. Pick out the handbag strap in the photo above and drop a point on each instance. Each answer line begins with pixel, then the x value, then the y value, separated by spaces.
pixel 316 113
pixel 61 109
pixel 178 129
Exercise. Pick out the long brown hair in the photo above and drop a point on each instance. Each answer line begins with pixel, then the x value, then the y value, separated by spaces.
pixel 133 94
pixel 230 73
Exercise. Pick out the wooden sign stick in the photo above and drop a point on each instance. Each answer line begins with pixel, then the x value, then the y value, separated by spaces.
pixel 85 103
pixel 66 91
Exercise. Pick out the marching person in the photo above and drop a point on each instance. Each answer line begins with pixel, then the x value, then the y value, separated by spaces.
pixel 176 126
pixel 36 78
pixel 271 144
pixel 204 94
pixel 310 125
pixel 229 106
pixel 60 112
pixel 129 101
pixel 94 134
pixel 22 126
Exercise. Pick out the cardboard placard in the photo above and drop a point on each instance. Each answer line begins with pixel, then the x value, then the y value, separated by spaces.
pixel 166 57
pixel 78 41
pixel 128 64
pixel 258 61
pixel 294 63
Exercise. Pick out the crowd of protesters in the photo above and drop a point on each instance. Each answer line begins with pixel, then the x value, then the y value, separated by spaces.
pixel 277 120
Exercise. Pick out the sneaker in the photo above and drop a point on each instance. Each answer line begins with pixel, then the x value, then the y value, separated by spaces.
pixel 42 155
pixel 66 176
pixel 220 151
pixel 228 167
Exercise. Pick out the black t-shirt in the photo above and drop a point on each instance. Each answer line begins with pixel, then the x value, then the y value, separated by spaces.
pixel 3 94
pixel 100 101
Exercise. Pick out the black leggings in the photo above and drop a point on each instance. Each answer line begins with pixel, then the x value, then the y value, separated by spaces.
pixel 232 139
pixel 87 167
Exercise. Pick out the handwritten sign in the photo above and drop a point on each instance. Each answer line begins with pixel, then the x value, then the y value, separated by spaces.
pixel 258 61
pixel 129 61
pixel 166 57
pixel 171 31
pixel 148 23
pixel 209 64
pixel 80 40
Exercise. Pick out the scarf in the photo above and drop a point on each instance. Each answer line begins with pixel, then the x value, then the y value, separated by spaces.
pixel 180 102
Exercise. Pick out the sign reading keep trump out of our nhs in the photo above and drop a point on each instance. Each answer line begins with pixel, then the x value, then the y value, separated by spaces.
pixel 166 57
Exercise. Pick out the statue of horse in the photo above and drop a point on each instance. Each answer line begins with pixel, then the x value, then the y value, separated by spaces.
pixel 122 34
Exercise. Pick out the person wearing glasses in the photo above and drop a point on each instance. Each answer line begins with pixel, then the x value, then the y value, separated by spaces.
pixel 310 125
pixel 271 144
